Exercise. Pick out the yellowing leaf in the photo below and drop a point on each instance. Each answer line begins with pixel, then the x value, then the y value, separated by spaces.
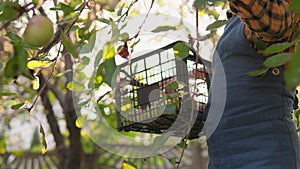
pixel 108 51
pixel 202 12
pixel 128 165
pixel 33 64
pixel 98 79
pixel 75 86
pixel 8 102
pixel 44 142
pixel 80 121
pixel 36 83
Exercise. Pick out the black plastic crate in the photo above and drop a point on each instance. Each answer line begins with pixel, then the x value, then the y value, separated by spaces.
pixel 147 100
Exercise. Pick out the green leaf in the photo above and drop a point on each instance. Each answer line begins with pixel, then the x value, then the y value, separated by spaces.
pixel 108 51
pixel 103 20
pixel 10 68
pixel 35 2
pixel 10 11
pixel 260 72
pixel 295 6
pixel 119 13
pixel 159 141
pixel 98 58
pixel 74 3
pixel 260 45
pixel 17 106
pixel 277 60
pixel 170 108
pixel 7 94
pixel 85 60
pixel 44 142
pixel 69 45
pixel 88 47
pixel 105 72
pixel 173 160
pixel 64 72
pixel 172 95
pixel 124 36
pixel 16 39
pixel 21 53
pixel 75 86
pixel 127 164
pixel 1 65
pixel 181 50
pixel 199 4
pixel 292 72
pixel 67 9
pixel 81 121
pixel 181 144
pixel 217 24
pixel 36 83
pixel 164 28
pixel 278 47
pixel 174 85
pixel 17 64
pixel 33 64
pixel 115 31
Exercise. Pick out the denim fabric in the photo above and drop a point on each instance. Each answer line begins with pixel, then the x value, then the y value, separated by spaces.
pixel 255 130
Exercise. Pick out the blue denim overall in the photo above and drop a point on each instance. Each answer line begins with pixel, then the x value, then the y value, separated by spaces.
pixel 254 129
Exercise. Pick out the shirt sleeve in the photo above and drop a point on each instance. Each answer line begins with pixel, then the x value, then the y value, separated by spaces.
pixel 269 20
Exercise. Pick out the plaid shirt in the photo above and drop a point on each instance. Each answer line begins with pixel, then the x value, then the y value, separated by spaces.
pixel 266 20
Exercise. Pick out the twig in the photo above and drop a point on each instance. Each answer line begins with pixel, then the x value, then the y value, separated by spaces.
pixel 55 61
pixel 29 109
pixel 140 27
pixel 185 140
pixel 21 10
pixel 57 37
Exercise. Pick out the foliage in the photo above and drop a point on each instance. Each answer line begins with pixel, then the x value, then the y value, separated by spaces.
pixel 56 72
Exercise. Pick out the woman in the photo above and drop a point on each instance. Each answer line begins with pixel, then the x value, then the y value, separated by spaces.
pixel 249 123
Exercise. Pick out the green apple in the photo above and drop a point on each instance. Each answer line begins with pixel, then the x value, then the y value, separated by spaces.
pixel 39 31
pixel 108 4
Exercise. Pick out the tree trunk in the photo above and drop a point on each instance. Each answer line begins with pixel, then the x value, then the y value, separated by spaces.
pixel 54 127
pixel 75 149
pixel 199 160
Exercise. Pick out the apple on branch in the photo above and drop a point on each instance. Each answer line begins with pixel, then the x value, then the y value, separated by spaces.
pixel 39 31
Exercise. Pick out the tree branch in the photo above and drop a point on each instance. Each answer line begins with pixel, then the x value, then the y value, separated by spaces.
pixel 70 113
pixel 53 123
pixel 58 94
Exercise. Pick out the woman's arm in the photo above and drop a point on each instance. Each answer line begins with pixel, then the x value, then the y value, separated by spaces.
pixel 268 20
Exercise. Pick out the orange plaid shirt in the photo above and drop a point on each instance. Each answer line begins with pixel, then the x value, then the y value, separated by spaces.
pixel 268 21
